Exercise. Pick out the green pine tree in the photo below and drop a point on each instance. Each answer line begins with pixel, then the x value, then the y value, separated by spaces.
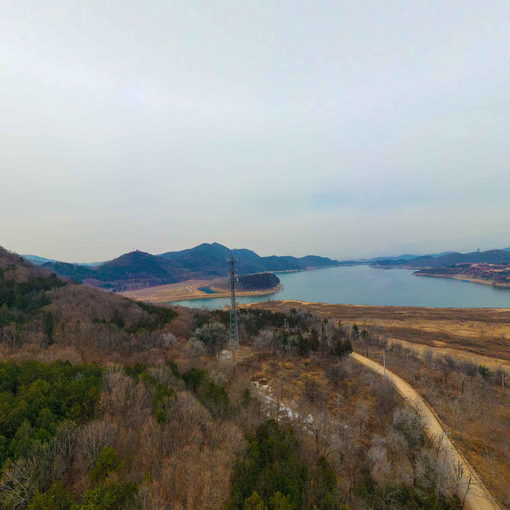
pixel 56 498
pixel 280 502
pixel 254 502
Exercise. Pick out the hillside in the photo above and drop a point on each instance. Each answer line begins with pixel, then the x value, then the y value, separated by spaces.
pixel 112 404
pixel 36 260
pixel 72 271
pixel 449 258
pixel 137 269
pixel 39 308
pixel 211 258
pixel 408 256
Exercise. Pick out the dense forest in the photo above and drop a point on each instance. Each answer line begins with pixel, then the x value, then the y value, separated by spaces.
pixel 110 404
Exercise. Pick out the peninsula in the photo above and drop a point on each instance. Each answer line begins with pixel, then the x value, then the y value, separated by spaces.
pixel 497 275
pixel 259 284
pixel 491 267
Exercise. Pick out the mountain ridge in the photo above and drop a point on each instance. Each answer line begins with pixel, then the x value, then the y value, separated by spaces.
pixel 497 256
pixel 138 269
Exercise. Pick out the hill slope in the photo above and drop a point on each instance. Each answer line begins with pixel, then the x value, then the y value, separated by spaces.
pixel 138 269
pixel 36 260
pixel 450 258
pixel 39 308
pixel 212 259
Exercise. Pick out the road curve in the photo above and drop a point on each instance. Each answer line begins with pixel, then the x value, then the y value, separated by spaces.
pixel 470 487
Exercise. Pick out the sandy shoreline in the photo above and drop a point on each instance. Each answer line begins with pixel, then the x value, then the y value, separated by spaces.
pixel 189 290
pixel 464 278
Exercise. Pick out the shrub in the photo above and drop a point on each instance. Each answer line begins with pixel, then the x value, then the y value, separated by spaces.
pixel 56 498
pixel 114 495
pixel 213 335
pixel 108 462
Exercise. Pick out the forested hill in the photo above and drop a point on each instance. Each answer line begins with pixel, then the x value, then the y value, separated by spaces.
pixel 39 308
pixel 450 258
pixel 138 269
pixel 211 259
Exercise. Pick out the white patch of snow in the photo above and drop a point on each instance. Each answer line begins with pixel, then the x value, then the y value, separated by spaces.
pixel 279 410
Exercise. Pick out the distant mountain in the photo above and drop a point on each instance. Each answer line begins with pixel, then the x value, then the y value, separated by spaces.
pixel 39 261
pixel 36 260
pixel 435 255
pixel 405 256
pixel 129 271
pixel 211 260
pixel 451 258
pixel 208 260
pixel 408 256
pixel 138 269
pixel 71 271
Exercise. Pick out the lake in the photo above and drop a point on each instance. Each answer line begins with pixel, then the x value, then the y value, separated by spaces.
pixel 364 285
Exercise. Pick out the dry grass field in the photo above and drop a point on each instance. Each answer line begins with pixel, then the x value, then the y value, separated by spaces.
pixel 463 402
pixel 481 334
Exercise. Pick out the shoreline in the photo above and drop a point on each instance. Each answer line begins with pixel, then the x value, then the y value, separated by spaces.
pixel 403 308
pixel 468 279
pixel 226 293
pixel 462 278
pixel 189 290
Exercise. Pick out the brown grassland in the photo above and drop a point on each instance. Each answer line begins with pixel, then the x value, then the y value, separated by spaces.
pixel 440 352
pixel 481 334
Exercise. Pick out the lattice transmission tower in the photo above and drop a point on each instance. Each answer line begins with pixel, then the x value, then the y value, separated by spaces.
pixel 234 329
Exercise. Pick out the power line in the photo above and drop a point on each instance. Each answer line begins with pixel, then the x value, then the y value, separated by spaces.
pixel 234 329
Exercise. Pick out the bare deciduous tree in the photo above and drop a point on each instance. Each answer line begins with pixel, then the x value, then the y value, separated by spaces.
pixel 93 437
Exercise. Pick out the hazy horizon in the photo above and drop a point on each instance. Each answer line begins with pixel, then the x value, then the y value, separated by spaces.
pixel 377 254
pixel 342 129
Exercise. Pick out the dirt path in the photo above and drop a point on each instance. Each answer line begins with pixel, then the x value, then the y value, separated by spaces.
pixel 477 497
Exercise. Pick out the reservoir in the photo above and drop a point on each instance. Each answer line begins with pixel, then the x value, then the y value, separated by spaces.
pixel 364 285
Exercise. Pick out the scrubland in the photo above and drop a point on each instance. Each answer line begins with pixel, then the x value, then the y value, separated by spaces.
pixel 467 332
pixel 111 404
pixel 472 400
pixel 459 376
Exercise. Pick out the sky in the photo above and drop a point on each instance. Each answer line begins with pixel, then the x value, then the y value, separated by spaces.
pixel 339 128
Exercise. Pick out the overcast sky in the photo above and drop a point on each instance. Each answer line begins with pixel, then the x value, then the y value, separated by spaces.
pixel 340 128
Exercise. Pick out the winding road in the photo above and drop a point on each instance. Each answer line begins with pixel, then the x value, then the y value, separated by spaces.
pixel 470 488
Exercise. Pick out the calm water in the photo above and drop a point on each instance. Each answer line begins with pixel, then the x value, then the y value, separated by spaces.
pixel 363 285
